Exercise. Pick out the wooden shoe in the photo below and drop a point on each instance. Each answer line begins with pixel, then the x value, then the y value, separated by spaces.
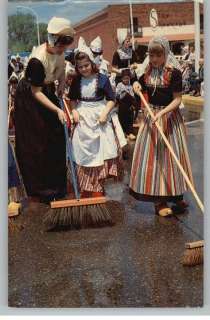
pixel 85 194
pixel 14 209
pixel 163 210
pixel 97 194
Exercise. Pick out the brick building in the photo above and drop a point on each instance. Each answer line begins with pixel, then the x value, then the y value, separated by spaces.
pixel 175 20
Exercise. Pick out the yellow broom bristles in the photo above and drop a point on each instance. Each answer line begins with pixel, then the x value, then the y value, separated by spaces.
pixel 193 254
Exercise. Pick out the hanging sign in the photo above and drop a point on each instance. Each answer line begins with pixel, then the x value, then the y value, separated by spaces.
pixel 153 18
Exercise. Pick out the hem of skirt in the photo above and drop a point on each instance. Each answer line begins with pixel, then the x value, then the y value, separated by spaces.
pixel 109 173
pixel 154 198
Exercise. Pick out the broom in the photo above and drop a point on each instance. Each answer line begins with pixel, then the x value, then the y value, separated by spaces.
pixel 193 254
pixel 14 208
pixel 78 212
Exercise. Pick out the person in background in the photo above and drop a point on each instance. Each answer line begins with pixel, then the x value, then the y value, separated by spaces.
pixel 127 104
pixel 70 62
pixel 124 57
pixel 12 66
pixel 196 79
pixel 186 71
pixel 97 50
pixel 12 87
pixel 190 56
pixel 39 132
pixel 19 64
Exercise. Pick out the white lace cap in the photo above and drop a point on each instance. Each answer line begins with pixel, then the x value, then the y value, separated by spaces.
pixel 122 35
pixel 96 45
pixel 60 26
pixel 82 47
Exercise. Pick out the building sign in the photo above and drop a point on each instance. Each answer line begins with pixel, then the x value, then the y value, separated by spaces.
pixel 153 18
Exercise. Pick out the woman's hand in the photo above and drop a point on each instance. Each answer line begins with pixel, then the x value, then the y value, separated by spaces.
pixel 103 117
pixel 136 86
pixel 158 116
pixel 134 66
pixel 61 116
pixel 75 114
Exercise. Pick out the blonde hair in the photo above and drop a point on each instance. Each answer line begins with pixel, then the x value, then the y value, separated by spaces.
pixel 156 48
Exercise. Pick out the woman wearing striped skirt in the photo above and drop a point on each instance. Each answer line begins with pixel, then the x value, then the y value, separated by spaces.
pixel 154 175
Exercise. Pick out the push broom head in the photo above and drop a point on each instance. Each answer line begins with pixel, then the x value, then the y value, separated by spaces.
pixel 81 213
pixel 193 254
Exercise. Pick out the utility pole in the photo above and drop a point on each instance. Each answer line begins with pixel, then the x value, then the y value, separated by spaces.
pixel 131 19
pixel 197 33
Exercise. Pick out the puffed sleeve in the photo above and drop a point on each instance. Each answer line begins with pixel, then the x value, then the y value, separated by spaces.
pixel 74 89
pixel 134 57
pixel 176 81
pixel 108 91
pixel 116 59
pixel 142 82
pixel 35 72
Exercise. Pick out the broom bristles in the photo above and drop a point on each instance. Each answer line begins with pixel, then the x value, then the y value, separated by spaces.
pixel 14 225
pixel 193 256
pixel 96 215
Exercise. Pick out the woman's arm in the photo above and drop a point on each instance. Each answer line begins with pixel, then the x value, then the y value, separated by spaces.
pixel 74 112
pixel 110 98
pixel 116 70
pixel 109 106
pixel 61 85
pixel 104 115
pixel 116 63
pixel 177 99
pixel 41 97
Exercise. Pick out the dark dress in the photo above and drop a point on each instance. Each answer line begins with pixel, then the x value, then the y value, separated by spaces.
pixel 13 179
pixel 40 141
pixel 123 63
pixel 171 82
pixel 127 103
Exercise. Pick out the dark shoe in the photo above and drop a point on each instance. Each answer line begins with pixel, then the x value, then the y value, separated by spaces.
pixel 51 197
pixel 125 155
pixel 180 206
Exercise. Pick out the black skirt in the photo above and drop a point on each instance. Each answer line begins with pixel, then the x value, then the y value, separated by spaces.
pixel 40 144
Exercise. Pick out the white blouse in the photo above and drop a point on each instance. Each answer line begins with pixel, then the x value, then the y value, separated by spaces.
pixel 88 87
pixel 54 64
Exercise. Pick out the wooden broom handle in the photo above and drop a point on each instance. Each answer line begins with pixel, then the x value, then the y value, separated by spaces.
pixel 8 117
pixel 9 111
pixel 67 109
pixel 200 204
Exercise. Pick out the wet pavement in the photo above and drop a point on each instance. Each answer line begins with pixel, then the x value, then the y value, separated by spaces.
pixel 135 263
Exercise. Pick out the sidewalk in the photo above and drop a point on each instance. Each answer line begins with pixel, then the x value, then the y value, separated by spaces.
pixel 135 263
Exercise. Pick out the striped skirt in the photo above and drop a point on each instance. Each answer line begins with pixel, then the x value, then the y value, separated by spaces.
pixel 154 172
pixel 92 178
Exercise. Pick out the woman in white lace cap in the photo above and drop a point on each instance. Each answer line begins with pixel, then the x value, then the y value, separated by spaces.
pixel 124 56
pixel 155 176
pixel 96 145
pixel 97 50
pixel 40 141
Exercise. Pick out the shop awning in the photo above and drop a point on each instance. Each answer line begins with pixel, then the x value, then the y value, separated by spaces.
pixel 170 37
